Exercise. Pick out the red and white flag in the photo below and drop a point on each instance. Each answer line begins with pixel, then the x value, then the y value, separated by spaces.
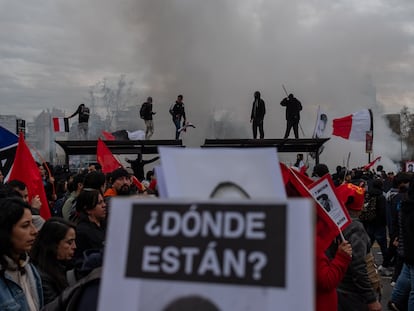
pixel 354 126
pixel 61 124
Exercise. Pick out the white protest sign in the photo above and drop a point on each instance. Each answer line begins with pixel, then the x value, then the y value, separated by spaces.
pixel 230 256
pixel 197 173
pixel 323 192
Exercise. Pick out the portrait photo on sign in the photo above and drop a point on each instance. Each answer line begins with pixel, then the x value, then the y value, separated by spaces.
pixel 409 166
pixel 323 192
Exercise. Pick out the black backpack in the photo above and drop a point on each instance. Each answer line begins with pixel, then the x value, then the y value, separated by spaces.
pixel 369 211
pixel 143 110
pixel 68 300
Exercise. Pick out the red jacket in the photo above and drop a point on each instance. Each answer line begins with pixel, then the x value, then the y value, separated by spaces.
pixel 329 274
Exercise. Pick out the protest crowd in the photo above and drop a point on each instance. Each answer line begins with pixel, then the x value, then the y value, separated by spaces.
pixel 45 261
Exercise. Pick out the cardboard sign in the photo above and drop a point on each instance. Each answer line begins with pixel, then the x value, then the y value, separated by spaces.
pixel 323 192
pixel 230 255
pixel 196 173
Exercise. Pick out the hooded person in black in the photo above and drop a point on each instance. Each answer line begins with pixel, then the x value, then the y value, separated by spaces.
pixel 257 115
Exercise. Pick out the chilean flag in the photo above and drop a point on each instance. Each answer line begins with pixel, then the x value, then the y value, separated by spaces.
pixel 354 126
pixel 61 124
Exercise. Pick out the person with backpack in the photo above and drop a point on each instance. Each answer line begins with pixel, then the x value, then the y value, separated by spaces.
pixel 360 287
pixel 83 120
pixel 146 114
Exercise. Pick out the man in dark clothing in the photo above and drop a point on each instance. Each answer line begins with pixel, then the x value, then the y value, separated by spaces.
pixel 376 227
pixel 177 112
pixel 356 292
pixel 293 107
pixel 257 115
pixel 137 165
pixel 83 120
pixel 147 114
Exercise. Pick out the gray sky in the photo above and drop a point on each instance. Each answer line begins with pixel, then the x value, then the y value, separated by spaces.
pixel 337 54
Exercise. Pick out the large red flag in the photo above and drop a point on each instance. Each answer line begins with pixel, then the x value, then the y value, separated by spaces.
pixel 25 169
pixel 296 186
pixel 105 158
pixel 109 163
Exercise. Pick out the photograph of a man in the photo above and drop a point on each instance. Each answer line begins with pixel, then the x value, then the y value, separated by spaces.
pixel 409 166
pixel 325 201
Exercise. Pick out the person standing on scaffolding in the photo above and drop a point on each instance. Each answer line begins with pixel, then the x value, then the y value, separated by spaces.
pixel 177 112
pixel 83 120
pixel 257 115
pixel 293 108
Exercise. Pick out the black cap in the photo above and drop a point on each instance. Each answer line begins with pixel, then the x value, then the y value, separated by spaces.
pixel 119 172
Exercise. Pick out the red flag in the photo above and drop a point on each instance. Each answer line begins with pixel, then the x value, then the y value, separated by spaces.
pixel 296 186
pixel 353 126
pixel 371 164
pixel 105 158
pixel 109 163
pixel 25 169
pixel 108 136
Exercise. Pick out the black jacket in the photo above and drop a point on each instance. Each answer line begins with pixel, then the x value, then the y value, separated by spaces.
pixel 260 111
pixel 83 112
pixel 178 111
pixel 88 236
pixel 51 288
pixel 407 230
pixel 380 217
pixel 147 111
pixel 293 107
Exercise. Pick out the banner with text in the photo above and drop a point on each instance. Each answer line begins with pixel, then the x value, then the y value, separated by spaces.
pixel 228 255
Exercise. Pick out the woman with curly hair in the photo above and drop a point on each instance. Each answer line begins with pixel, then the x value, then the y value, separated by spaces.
pixel 52 253
pixel 20 283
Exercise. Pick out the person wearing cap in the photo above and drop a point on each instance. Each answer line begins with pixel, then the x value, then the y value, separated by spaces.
pixel 293 108
pixel 120 183
pixel 355 291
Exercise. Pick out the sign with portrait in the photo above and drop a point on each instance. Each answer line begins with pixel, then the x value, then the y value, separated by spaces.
pixel 323 191
pixel 409 166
